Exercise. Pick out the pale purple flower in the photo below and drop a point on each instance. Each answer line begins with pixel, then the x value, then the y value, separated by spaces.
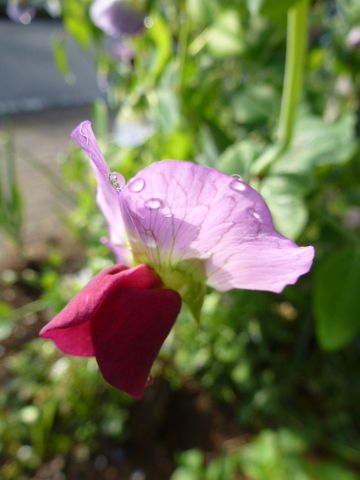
pixel 194 222
pixel 117 17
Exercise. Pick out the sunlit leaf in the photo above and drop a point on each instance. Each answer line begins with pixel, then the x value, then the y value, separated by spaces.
pixel 226 35
pixel 284 195
pixel 337 299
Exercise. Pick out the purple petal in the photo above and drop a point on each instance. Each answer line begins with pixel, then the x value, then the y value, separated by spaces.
pixel 107 195
pixel 116 18
pixel 178 210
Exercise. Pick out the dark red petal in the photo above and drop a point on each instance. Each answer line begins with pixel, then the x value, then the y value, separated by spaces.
pixel 128 332
pixel 70 329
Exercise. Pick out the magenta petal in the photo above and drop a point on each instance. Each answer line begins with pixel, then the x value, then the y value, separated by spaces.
pixel 179 210
pixel 107 196
pixel 121 317
pixel 70 329
pixel 129 333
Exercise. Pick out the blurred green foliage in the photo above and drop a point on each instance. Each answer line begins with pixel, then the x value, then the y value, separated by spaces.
pixel 204 82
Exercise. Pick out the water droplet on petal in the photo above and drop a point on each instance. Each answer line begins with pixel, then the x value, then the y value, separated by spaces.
pixel 167 212
pixel 237 176
pixel 254 213
pixel 154 203
pixel 137 185
pixel 150 240
pixel 237 184
pixel 116 181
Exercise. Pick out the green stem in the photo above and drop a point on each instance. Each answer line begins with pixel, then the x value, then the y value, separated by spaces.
pixel 296 42
pixel 29 309
pixel 294 67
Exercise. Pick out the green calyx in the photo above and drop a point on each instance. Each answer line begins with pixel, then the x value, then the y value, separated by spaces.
pixel 188 278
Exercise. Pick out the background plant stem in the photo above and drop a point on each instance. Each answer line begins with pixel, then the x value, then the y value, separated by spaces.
pixel 296 42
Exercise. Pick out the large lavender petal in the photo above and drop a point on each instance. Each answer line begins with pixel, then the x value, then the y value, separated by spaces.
pixel 176 211
pixel 107 196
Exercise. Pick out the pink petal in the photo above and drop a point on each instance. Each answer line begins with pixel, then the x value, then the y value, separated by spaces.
pixel 107 196
pixel 179 210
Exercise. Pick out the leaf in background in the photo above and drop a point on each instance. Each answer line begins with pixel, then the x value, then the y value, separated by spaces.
pixel 11 205
pixel 330 471
pixel 284 195
pixel 100 118
pixel 202 11
pixel 238 158
pixel 6 321
pixel 255 104
pixel 337 299
pixel 165 105
pixel 160 34
pixel 61 57
pixel 77 22
pixel 317 143
pixel 225 36
pixel 273 9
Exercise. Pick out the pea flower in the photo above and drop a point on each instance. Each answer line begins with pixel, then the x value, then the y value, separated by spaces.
pixel 117 18
pixel 185 227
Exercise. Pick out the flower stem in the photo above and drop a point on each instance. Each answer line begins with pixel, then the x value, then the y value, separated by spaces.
pixel 296 42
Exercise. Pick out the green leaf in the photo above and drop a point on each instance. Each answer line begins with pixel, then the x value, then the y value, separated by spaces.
pixel 6 321
pixel 160 34
pixel 284 195
pixel 100 117
pixel 202 11
pixel 60 56
pixel 317 143
pixel 76 21
pixel 238 158
pixel 330 471
pixel 225 37
pixel 337 299
pixel 166 108
pixel 255 104
pixel 273 9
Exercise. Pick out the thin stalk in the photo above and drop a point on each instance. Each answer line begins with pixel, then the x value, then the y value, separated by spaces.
pixel 296 43
pixel 29 309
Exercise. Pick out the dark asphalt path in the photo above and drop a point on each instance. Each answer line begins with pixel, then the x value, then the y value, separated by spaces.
pixel 29 80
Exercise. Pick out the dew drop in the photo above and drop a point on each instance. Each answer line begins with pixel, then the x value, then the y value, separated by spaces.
pixel 115 179
pixel 167 212
pixel 137 185
pixel 237 184
pixel 237 176
pixel 150 240
pixel 253 213
pixel 154 203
